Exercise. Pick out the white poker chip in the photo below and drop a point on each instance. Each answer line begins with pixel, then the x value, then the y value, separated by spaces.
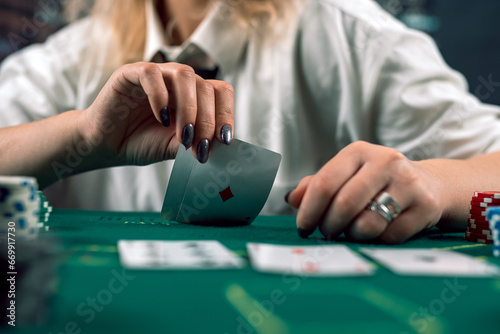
pixel 19 206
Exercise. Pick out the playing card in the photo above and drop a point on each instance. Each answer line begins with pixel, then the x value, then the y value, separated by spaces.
pixel 158 254
pixel 230 189
pixel 428 262
pixel 335 260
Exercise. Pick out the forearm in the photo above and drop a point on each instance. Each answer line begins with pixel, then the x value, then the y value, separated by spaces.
pixel 459 179
pixel 49 149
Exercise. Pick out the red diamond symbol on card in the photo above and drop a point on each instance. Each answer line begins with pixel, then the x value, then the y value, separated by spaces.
pixel 311 267
pixel 226 194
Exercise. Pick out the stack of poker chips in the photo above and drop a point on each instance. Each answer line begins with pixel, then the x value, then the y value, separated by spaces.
pixel 478 228
pixel 19 207
pixel 494 220
pixel 45 210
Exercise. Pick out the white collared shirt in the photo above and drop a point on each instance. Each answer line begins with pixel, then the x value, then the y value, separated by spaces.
pixel 338 72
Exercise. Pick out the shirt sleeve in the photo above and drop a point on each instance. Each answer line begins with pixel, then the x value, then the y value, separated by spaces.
pixel 40 81
pixel 420 105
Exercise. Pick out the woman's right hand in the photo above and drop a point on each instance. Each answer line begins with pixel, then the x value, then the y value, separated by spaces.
pixel 146 110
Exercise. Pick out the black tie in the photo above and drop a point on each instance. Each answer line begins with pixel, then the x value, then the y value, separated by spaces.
pixel 207 74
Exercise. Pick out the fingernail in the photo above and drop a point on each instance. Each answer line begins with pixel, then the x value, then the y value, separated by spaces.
pixel 226 134
pixel 304 234
pixel 287 194
pixel 165 117
pixel 187 135
pixel 203 148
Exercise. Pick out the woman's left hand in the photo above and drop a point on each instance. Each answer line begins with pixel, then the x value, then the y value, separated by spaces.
pixel 336 198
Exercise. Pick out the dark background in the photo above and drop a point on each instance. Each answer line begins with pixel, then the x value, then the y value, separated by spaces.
pixel 466 31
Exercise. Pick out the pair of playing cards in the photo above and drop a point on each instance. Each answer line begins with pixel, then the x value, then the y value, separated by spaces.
pixel 231 188
pixel 339 260
pixel 159 254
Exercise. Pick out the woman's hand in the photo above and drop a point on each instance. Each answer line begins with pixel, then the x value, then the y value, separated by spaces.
pixel 145 110
pixel 336 198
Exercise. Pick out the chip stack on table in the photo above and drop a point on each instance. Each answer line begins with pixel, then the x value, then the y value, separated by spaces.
pixel 45 210
pixel 478 228
pixel 19 206
pixel 494 220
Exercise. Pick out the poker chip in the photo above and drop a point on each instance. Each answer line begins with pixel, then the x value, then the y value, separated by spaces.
pixel 493 216
pixel 23 208
pixel 478 221
pixel 480 231
pixel 19 206
pixel 479 240
pixel 487 194
pixel 482 205
pixel 479 226
pixel 45 209
pixel 479 235
pixel 486 200
pixel 478 218
pixel 477 212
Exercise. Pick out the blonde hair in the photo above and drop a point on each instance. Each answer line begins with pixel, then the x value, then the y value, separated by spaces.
pixel 128 19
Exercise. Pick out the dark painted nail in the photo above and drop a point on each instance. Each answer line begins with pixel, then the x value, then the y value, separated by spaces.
pixel 165 117
pixel 226 134
pixel 187 135
pixel 203 148
pixel 287 195
pixel 303 233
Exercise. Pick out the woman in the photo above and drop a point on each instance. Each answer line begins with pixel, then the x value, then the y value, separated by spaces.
pixel 344 92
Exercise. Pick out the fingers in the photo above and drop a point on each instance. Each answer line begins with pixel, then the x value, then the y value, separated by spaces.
pixel 404 226
pixel 294 197
pixel 183 83
pixel 149 76
pixel 353 197
pixel 205 120
pixel 224 110
pixel 369 224
pixel 336 198
pixel 323 187
pixel 201 109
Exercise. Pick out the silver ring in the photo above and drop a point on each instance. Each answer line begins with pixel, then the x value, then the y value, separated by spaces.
pixel 386 206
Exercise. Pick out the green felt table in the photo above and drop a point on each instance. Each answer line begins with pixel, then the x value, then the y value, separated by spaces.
pixel 96 295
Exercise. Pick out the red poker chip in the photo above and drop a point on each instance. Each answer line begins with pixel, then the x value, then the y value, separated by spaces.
pixel 478 227
pixel 481 231
pixel 479 236
pixel 478 221
pixel 487 194
pixel 478 212
pixel 478 217
pixel 480 240
pixel 477 204
pixel 486 200
pixel 477 208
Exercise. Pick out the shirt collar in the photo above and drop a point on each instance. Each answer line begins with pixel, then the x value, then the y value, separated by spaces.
pixel 219 36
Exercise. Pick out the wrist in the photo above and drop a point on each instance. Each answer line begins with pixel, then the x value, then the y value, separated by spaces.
pixel 89 141
pixel 451 192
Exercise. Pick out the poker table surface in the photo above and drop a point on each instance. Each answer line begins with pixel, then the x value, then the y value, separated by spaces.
pixel 95 294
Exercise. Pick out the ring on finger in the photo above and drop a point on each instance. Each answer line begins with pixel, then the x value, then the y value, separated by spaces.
pixel 386 206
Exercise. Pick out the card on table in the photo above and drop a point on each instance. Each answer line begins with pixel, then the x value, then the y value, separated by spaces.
pixel 335 260
pixel 191 254
pixel 428 262
pixel 229 189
